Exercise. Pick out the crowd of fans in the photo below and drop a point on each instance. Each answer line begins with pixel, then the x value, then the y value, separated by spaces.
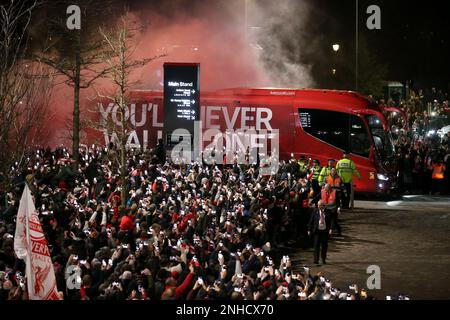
pixel 190 232
pixel 420 149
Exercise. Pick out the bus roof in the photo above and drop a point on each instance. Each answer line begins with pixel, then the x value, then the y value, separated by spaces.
pixel 348 101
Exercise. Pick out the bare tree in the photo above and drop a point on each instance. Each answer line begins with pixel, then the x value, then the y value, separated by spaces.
pixel 119 58
pixel 76 55
pixel 25 87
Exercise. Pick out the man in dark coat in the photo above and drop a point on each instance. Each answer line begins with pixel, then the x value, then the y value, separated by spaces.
pixel 320 228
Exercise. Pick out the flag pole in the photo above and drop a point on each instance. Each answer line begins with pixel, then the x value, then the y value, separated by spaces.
pixel 27 224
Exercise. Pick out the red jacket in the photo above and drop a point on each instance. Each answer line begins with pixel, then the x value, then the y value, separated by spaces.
pixel 181 289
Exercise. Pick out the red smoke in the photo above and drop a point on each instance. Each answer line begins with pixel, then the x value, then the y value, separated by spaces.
pixel 214 35
pixel 216 39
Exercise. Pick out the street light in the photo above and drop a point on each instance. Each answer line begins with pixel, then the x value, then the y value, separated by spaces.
pixel 336 48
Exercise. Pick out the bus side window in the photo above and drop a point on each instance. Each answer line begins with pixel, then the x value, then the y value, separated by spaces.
pixel 359 138
pixel 328 126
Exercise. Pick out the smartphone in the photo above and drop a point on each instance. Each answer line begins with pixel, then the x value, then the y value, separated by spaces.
pixel 200 281
pixel 110 262
pixel 104 263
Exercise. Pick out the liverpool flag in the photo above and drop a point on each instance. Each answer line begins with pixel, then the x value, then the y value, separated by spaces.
pixel 30 245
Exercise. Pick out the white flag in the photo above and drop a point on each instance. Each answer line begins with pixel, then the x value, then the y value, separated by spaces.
pixel 31 246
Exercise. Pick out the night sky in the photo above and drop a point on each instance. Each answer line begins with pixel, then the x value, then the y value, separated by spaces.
pixel 414 41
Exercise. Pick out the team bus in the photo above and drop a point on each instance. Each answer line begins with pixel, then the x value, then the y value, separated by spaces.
pixel 317 124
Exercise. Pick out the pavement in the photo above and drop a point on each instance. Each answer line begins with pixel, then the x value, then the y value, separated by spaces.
pixel 408 238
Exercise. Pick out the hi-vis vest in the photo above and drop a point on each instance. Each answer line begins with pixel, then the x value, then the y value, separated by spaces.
pixel 438 172
pixel 328 197
pixel 326 171
pixel 346 169
pixel 302 165
pixel 335 182
pixel 316 172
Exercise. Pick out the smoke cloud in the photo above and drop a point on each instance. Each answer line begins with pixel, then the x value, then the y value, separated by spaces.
pixel 238 43
pixel 253 43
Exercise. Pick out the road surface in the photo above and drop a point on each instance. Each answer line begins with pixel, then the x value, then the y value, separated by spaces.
pixel 409 239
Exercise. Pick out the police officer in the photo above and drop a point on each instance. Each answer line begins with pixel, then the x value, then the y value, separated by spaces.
pixel 346 169
pixel 314 178
pixel 326 171
pixel 303 167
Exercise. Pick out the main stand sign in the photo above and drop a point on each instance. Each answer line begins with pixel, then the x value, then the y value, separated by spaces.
pixel 181 101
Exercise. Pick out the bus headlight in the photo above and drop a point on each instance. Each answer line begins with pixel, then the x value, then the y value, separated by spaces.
pixel 382 177
pixel 431 133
